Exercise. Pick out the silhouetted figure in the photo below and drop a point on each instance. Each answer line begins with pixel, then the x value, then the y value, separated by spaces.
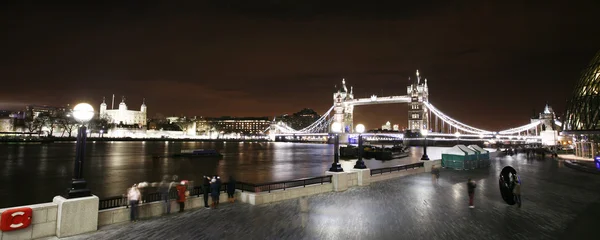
pixel 231 189
pixel 517 191
pixel 471 189
pixel 205 190
pixel 164 187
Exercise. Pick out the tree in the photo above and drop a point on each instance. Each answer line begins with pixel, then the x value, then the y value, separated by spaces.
pixel 67 123
pixel 32 125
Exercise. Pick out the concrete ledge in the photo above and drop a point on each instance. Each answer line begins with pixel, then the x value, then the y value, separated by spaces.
pixel 363 176
pixel 43 223
pixel 280 195
pixel 76 216
pixel 402 173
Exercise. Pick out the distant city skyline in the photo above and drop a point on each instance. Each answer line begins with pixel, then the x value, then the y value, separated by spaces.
pixel 489 64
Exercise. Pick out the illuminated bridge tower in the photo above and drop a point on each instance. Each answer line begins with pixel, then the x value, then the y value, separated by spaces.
pixel 343 113
pixel 418 116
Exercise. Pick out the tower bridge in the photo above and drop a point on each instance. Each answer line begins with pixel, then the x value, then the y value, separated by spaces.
pixel 422 116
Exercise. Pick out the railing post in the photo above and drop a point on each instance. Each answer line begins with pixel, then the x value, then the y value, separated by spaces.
pixel 304 182
pixel 269 188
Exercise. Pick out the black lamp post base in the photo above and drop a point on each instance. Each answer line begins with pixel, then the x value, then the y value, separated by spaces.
pixel 425 157
pixel 336 167
pixel 78 189
pixel 360 165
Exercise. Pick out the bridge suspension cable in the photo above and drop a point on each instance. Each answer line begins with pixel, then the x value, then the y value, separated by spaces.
pixel 454 123
pixel 521 128
pixel 320 125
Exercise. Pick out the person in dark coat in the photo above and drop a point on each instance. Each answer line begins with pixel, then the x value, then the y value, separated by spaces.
pixel 215 191
pixel 471 188
pixel 231 189
pixel 205 190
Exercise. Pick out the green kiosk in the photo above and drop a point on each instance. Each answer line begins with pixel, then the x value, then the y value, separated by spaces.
pixel 459 157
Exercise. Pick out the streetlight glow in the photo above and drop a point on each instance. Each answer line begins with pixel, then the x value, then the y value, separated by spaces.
pixel 457 134
pixel 359 128
pixel 83 112
pixel 336 127
pixel 424 132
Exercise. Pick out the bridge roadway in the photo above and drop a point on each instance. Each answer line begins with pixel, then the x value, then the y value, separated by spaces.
pixel 558 203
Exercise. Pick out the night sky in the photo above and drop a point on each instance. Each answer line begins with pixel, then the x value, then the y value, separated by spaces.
pixel 488 63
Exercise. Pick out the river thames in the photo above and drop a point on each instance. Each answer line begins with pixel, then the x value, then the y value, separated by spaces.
pixel 36 173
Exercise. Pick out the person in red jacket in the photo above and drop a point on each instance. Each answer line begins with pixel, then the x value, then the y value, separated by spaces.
pixel 181 188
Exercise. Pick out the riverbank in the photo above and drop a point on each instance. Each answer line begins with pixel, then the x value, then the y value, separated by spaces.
pixel 96 139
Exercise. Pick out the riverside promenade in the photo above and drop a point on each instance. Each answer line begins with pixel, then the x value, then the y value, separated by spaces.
pixel 558 203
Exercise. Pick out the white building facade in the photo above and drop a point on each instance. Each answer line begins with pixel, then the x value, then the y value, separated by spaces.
pixel 122 115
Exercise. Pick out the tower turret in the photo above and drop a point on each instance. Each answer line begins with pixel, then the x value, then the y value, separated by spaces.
pixel 122 105
pixel 103 107
pixel 143 107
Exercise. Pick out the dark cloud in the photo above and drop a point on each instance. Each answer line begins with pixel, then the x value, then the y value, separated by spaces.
pixel 488 63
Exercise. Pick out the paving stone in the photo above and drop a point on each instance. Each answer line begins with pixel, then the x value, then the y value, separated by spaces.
pixel 558 203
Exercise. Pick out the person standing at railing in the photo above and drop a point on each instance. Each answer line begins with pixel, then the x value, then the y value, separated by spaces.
pixel 134 197
pixel 181 189
pixel 205 190
pixel 215 191
pixel 164 187
pixel 231 189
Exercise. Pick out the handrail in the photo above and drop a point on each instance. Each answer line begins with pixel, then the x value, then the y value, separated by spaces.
pixel 396 168
pixel 121 201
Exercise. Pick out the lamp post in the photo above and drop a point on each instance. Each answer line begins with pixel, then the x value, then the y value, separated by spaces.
pixel 360 164
pixel 457 134
pixel 424 133
pixel 336 128
pixel 83 113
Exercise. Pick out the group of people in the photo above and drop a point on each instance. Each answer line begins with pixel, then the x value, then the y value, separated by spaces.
pixel 211 186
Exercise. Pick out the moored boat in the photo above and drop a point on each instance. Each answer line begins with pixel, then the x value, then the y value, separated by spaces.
pixel 200 153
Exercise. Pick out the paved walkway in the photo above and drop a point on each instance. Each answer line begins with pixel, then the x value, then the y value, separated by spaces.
pixel 558 203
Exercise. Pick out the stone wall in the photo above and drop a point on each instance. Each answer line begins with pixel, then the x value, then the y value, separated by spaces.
pixel 401 173
pixel 43 223
pixel 280 195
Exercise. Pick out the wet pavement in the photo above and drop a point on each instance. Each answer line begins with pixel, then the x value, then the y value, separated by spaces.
pixel 558 203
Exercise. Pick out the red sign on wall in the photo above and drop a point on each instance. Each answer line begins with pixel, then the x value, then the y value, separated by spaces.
pixel 16 218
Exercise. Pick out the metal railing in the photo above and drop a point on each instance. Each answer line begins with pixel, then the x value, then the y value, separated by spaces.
pixel 396 168
pixel 282 185
pixel 147 197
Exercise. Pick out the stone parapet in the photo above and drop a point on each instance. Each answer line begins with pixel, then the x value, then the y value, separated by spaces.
pixel 43 223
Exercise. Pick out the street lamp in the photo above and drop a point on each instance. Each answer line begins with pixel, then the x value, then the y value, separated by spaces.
pixel 336 128
pixel 360 164
pixel 424 133
pixel 83 113
pixel 457 134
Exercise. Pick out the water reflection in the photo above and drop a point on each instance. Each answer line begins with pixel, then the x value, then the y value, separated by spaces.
pixel 111 167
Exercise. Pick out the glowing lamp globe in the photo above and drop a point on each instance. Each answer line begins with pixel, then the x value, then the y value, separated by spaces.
pixel 360 128
pixel 83 112
pixel 336 127
pixel 457 134
pixel 424 132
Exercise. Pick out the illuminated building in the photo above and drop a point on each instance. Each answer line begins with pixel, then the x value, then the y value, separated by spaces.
pixel 244 125
pixel 34 111
pixel 387 126
pixel 582 118
pixel 418 118
pixel 122 115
